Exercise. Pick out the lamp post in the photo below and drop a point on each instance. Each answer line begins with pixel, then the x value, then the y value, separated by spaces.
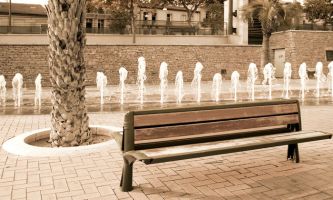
pixel 230 17
pixel 167 20
pixel 10 17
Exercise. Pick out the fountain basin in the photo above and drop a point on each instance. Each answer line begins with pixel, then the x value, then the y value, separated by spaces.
pixel 22 144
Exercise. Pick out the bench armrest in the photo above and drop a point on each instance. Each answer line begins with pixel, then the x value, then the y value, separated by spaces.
pixel 132 156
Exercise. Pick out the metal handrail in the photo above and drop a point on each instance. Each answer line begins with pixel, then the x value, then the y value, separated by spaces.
pixel 180 29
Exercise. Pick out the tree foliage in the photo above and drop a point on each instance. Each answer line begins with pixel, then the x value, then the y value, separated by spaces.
pixel 319 10
pixel 127 9
pixel 100 6
pixel 272 15
pixel 215 16
pixel 120 20
pixel 293 14
pixel 191 6
pixel 105 6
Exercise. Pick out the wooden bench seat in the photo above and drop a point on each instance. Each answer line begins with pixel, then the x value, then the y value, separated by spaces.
pixel 172 153
pixel 162 135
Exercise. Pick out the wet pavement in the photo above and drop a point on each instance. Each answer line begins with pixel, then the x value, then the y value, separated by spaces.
pixel 259 174
pixel 152 97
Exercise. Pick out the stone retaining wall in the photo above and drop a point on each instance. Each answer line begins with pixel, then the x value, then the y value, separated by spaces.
pixel 30 60
pixel 303 46
pixel 300 46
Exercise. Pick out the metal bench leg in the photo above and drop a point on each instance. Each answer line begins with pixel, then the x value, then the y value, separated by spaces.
pixel 297 153
pixel 293 153
pixel 127 175
pixel 121 179
pixel 290 152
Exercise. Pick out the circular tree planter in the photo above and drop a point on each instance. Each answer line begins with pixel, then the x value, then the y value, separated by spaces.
pixel 23 144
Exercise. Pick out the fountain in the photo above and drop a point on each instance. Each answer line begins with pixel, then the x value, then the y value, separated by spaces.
pixel 179 83
pixel 163 97
pixel 38 90
pixel 2 90
pixel 17 84
pixel 303 75
pixel 216 87
pixel 286 80
pixel 234 84
pixel 268 76
pixel 252 75
pixel 163 80
pixel 196 82
pixel 330 74
pixel 101 82
pixel 320 77
pixel 141 77
pixel 122 77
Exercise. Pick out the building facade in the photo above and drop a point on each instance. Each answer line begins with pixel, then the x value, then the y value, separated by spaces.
pixel 30 18
pixel 25 18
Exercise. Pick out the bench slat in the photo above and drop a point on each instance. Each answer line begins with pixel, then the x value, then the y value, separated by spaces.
pixel 228 146
pixel 159 119
pixel 168 132
pixel 226 135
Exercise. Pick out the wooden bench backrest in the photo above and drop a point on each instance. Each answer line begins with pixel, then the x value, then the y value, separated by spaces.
pixel 164 127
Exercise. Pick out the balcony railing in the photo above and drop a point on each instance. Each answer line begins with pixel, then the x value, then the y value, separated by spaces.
pixel 23 29
pixel 123 27
pixel 309 26
pixel 255 33
pixel 167 23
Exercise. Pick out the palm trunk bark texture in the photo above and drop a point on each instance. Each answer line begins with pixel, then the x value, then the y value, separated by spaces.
pixel 69 119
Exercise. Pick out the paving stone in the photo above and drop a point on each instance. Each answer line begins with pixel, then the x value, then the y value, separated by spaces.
pixel 260 174
pixel 34 195
pixel 19 193
pixel 105 190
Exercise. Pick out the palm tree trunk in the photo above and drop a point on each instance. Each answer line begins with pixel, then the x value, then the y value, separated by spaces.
pixel 265 50
pixel 69 120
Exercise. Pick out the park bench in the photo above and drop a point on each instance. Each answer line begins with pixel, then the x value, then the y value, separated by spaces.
pixel 162 135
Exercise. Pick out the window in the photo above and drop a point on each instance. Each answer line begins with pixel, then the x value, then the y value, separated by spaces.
pixel 101 23
pixel 168 17
pixel 43 28
pixel 153 17
pixel 329 55
pixel 89 23
pixel 183 17
pixel 145 16
pixel 208 14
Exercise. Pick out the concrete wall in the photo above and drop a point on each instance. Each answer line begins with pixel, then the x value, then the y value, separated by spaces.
pixel 32 59
pixel 105 39
pixel 303 46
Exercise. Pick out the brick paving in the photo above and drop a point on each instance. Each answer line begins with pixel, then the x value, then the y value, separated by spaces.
pixel 259 174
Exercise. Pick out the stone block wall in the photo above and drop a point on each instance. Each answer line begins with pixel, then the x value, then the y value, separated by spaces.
pixel 300 46
pixel 30 60
pixel 27 60
pixel 303 46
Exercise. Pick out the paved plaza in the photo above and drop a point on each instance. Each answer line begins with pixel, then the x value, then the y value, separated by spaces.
pixel 259 174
